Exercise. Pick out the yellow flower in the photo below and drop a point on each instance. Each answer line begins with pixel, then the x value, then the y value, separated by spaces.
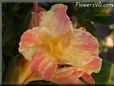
pixel 54 42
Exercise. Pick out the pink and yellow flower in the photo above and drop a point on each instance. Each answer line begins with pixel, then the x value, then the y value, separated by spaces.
pixel 54 42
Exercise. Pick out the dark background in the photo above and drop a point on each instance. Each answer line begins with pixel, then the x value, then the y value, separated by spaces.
pixel 97 20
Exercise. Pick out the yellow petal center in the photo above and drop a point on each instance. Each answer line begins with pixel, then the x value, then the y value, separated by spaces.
pixel 53 46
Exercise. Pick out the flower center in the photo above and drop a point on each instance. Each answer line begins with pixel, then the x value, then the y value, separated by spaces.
pixel 53 46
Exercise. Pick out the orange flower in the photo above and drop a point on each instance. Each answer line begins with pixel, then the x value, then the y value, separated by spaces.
pixel 54 42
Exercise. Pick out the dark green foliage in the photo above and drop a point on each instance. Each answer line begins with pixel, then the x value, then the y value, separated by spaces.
pixel 104 75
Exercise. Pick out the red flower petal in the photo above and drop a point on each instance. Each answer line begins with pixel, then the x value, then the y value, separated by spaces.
pixel 27 38
pixel 44 65
pixel 68 76
pixel 88 78
pixel 37 9
pixel 93 66
pixel 35 19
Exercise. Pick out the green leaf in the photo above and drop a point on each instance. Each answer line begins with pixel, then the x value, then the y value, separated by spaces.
pixel 26 22
pixel 9 38
pixel 12 73
pixel 104 75
pixel 111 80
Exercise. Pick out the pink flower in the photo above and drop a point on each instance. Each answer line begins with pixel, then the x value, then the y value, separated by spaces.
pixel 54 42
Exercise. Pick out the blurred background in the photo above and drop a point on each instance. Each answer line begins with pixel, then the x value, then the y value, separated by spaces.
pixel 99 21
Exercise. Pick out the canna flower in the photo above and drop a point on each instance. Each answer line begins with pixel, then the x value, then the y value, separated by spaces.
pixel 55 51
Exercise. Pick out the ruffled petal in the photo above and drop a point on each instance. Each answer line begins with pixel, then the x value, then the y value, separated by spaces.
pixel 71 76
pixel 56 20
pixel 41 67
pixel 83 48
pixel 28 44
pixel 86 41
pixel 69 80
pixel 45 66
pixel 37 9
pixel 35 19
pixel 94 65
pixel 36 16
pixel 25 72
pixel 68 76
pixel 31 42
pixel 29 68
pixel 88 78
